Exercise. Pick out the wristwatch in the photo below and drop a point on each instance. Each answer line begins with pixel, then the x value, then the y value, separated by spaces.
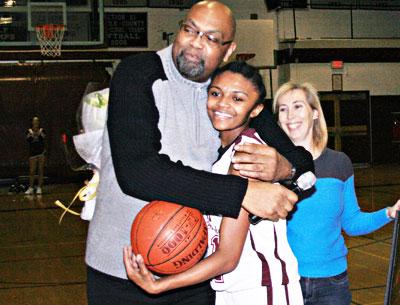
pixel 292 172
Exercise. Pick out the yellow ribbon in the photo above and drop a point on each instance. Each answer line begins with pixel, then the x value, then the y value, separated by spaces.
pixel 83 196
pixel 83 192
pixel 67 209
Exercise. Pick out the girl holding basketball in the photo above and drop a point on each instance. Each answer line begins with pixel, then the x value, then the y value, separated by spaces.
pixel 248 263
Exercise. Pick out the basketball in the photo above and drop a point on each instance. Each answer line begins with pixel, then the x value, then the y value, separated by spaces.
pixel 170 237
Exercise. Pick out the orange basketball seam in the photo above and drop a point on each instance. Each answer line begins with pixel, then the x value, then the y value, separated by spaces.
pixel 177 271
pixel 189 214
pixel 137 221
pixel 158 234
pixel 178 241
pixel 199 227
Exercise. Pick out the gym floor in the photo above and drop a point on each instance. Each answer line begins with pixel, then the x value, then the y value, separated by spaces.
pixel 42 262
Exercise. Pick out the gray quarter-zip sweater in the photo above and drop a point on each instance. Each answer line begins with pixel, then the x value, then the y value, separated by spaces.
pixel 159 145
pixel 177 107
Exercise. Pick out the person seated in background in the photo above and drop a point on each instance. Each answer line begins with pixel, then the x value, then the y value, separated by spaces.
pixel 315 228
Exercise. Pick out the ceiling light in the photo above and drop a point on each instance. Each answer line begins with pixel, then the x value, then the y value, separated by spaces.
pixel 5 20
pixel 10 3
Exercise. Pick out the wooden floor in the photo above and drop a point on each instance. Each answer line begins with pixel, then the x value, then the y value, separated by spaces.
pixel 42 262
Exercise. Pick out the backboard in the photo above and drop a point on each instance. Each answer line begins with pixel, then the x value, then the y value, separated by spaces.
pixel 256 37
pixel 83 20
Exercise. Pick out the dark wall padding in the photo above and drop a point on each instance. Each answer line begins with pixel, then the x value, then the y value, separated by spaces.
pixel 52 92
pixel 385 149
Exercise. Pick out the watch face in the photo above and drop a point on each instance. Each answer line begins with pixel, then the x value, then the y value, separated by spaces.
pixel 293 172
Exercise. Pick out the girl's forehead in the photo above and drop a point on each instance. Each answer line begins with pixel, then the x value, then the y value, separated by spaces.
pixel 231 80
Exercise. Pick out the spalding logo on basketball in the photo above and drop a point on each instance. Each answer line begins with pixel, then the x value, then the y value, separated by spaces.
pixel 170 237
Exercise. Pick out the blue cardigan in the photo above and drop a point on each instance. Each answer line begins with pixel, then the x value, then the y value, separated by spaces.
pixel 315 228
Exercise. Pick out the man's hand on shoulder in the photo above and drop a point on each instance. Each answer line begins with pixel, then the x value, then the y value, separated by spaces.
pixel 262 162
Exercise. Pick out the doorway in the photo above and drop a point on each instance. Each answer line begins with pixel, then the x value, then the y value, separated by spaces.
pixel 348 117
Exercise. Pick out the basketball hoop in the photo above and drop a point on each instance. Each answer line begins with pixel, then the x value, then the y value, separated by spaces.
pixel 244 56
pixel 50 37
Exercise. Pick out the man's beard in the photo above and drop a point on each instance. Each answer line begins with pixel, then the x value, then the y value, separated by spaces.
pixel 189 69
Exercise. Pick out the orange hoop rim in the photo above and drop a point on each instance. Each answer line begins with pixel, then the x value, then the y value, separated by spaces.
pixel 50 26
pixel 48 30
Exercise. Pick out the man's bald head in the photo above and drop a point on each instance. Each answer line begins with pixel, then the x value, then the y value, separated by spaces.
pixel 204 41
pixel 216 7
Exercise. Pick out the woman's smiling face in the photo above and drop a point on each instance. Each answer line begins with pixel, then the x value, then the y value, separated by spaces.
pixel 296 116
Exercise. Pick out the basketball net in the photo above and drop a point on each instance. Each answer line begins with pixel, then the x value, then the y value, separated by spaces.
pixel 50 37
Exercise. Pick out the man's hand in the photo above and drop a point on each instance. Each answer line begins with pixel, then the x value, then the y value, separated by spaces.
pixel 267 200
pixel 261 162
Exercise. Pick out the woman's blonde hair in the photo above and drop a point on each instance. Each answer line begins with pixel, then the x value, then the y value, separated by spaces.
pixel 320 131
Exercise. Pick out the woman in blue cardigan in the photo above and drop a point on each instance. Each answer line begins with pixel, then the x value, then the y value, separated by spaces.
pixel 315 229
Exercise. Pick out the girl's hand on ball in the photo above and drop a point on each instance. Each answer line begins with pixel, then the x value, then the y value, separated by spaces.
pixel 138 272
pixel 130 260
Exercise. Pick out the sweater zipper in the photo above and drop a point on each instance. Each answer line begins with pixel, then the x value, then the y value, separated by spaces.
pixel 197 114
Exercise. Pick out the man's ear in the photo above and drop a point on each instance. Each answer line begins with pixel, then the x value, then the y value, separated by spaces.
pixel 231 49
pixel 256 111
